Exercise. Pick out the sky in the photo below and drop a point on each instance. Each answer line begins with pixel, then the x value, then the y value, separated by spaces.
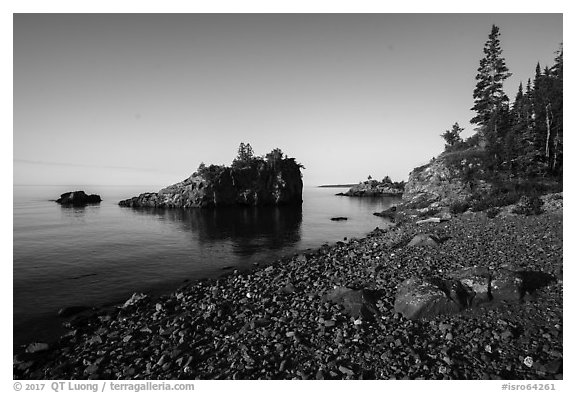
pixel 143 99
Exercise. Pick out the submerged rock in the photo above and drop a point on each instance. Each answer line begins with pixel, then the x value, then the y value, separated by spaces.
pixel 78 198
pixel 72 310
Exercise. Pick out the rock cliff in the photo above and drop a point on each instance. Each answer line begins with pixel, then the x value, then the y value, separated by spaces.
pixel 450 178
pixel 259 182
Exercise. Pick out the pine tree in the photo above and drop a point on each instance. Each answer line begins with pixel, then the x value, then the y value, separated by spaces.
pixel 535 139
pixel 544 118
pixel 490 101
pixel 452 137
pixel 245 155
pixel 556 108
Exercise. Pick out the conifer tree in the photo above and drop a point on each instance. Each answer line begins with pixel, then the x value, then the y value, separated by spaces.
pixel 557 73
pixel 452 137
pixel 490 101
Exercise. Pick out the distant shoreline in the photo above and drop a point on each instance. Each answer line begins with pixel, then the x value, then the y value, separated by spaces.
pixel 337 185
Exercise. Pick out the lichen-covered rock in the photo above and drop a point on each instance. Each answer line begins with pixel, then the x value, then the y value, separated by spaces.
pixel 506 285
pixel 419 298
pixel 78 198
pixel 478 280
pixel 258 184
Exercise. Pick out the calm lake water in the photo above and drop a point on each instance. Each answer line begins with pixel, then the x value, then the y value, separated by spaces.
pixel 103 253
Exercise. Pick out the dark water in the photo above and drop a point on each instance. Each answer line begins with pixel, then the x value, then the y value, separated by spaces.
pixel 103 253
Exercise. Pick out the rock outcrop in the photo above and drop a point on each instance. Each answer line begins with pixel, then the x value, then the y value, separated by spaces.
pixel 258 183
pixel 450 178
pixel 78 198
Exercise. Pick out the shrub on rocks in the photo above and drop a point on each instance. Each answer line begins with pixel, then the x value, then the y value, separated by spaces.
pixel 459 207
pixel 529 206
pixel 492 212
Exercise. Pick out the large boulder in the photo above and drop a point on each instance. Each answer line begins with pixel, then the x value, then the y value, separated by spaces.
pixel 424 239
pixel 506 285
pixel 356 302
pixel 478 280
pixel 469 287
pixel 257 184
pixel 418 298
pixel 78 198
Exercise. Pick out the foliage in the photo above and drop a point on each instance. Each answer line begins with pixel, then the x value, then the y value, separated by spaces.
pixel 529 205
pixel 490 101
pixel 508 192
pixel 210 173
pixel 492 212
pixel 523 139
pixel 245 156
pixel 493 200
pixel 452 137
pixel 274 157
pixel 274 161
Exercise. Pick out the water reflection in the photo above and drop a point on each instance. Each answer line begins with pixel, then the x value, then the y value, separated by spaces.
pixel 249 229
pixel 78 213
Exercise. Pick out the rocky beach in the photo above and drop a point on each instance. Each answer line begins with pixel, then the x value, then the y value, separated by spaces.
pixel 330 313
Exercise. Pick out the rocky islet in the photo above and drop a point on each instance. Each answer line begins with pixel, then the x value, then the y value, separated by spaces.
pixel 78 198
pixel 258 183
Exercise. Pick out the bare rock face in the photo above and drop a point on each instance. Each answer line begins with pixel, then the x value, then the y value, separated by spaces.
pixel 257 184
pixel 443 181
pixel 78 198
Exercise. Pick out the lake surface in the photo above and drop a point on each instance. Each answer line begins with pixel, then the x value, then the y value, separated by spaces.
pixel 101 254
